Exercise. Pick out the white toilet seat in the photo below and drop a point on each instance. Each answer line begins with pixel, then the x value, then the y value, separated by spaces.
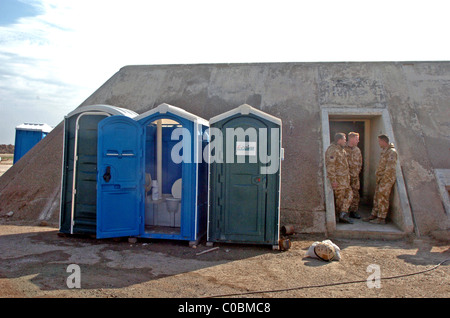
pixel 176 189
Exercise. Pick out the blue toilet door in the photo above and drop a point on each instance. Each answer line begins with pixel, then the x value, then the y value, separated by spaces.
pixel 120 180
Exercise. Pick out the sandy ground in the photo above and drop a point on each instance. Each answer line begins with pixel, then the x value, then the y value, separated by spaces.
pixel 5 164
pixel 34 262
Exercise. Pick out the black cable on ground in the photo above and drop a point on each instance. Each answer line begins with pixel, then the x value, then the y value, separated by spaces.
pixel 326 285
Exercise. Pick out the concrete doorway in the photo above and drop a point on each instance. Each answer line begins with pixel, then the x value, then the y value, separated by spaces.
pixel 369 123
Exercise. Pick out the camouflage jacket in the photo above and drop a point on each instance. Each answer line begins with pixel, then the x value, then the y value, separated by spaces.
pixel 354 159
pixel 387 164
pixel 337 166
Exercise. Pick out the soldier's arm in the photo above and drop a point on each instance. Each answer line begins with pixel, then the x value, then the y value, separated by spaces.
pixel 379 173
pixel 380 169
pixel 360 161
pixel 330 161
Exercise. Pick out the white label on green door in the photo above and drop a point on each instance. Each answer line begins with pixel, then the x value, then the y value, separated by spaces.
pixel 245 148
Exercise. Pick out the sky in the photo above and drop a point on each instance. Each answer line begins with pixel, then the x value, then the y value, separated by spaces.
pixel 55 53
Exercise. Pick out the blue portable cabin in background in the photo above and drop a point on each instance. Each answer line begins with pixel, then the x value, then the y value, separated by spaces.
pixel 78 210
pixel 27 136
pixel 152 179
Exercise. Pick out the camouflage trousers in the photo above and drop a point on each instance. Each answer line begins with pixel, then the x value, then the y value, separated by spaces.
pixel 381 198
pixel 342 200
pixel 354 184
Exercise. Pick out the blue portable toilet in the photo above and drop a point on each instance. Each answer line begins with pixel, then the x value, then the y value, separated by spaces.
pixel 27 136
pixel 78 210
pixel 152 179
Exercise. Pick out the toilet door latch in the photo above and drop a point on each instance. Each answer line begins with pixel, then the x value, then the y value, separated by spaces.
pixel 107 175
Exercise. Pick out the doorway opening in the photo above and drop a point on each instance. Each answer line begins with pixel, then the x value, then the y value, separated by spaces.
pixel 84 177
pixel 369 123
pixel 163 185
pixel 358 126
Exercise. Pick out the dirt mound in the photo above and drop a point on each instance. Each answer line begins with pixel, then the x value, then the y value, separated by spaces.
pixel 31 187
pixel 6 148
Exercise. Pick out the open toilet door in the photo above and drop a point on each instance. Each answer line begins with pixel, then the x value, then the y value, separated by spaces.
pixel 120 180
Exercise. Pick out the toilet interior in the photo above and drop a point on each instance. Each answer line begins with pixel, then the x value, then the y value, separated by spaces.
pixel 163 179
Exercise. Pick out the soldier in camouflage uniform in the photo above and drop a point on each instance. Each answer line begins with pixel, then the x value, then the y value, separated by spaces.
pixel 338 174
pixel 354 159
pixel 385 179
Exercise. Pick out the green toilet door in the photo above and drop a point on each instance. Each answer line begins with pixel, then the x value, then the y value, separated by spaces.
pixel 243 194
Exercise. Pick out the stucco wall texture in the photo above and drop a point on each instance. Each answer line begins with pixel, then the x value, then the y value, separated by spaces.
pixel 416 95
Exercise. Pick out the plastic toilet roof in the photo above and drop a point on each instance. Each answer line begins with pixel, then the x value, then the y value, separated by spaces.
pixel 113 110
pixel 245 109
pixel 35 127
pixel 166 108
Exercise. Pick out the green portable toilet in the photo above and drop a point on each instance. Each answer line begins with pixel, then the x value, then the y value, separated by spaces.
pixel 78 209
pixel 244 189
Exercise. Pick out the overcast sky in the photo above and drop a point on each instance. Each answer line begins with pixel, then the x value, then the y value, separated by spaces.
pixel 55 53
